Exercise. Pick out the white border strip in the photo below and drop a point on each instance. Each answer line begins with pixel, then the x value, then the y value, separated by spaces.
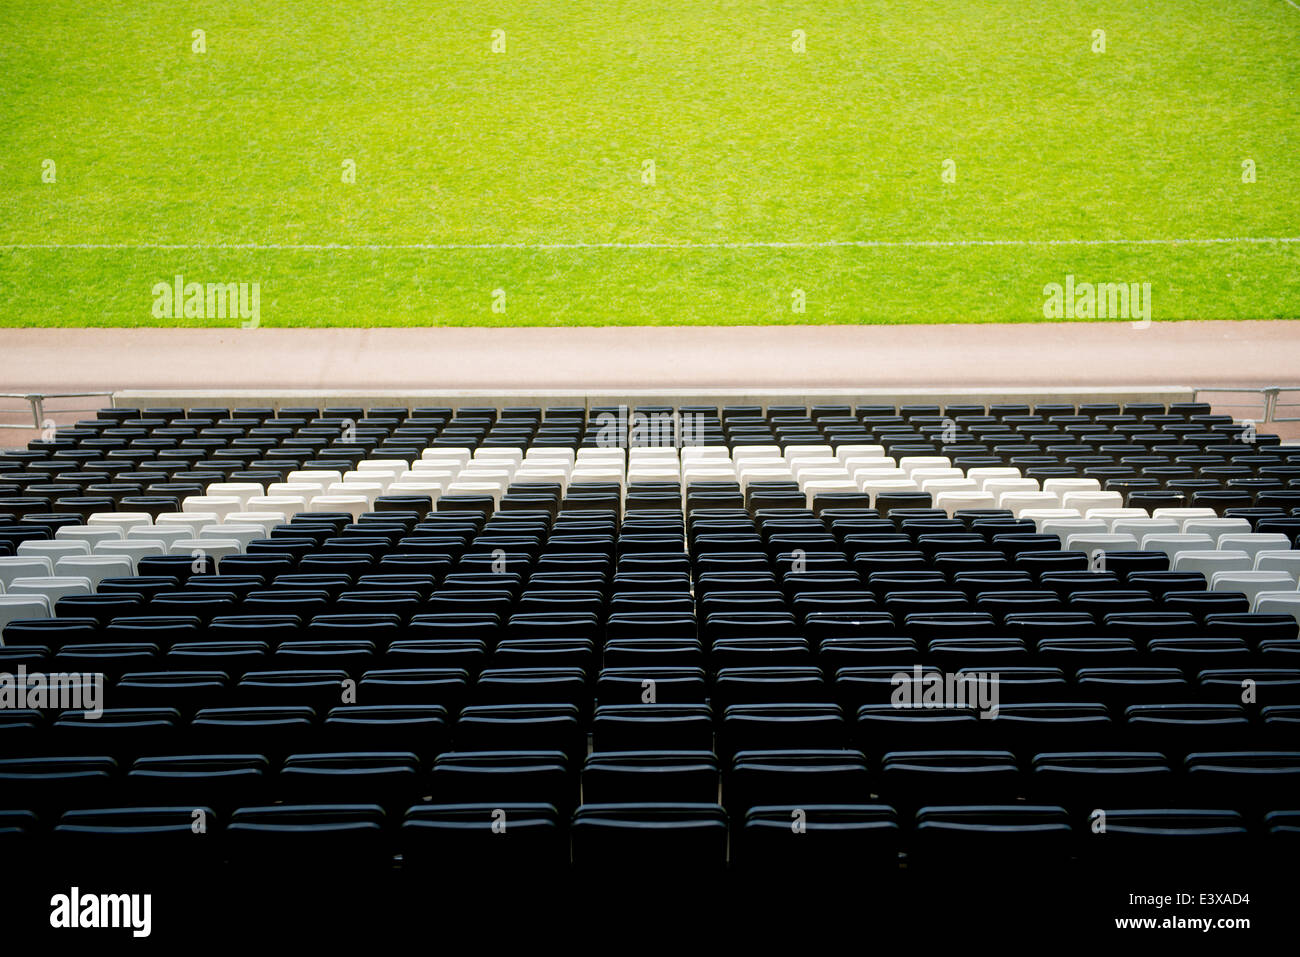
pixel 542 247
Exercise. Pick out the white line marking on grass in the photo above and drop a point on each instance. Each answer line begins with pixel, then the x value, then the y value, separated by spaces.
pixel 542 247
pixel 1294 4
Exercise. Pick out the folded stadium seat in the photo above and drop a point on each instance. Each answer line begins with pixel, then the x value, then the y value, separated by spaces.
pixel 1031 728
pixel 1007 837
pixel 119 521
pixel 454 840
pixel 219 781
pixel 301 839
pixel 123 733
pixel 513 727
pixel 1084 780
pixel 1254 627
pixel 777 726
pixel 186 691
pixel 614 777
pixel 448 687
pixel 1253 543
pixel 1267 685
pixel 1181 728
pixel 50 785
pixel 1168 841
pixel 14 567
pixel 1249 781
pixel 138 840
pixel 811 838
pixel 274 731
pixel 88 534
pixel 419 728
pixel 884 727
pixel 111 659
pixel 53 549
pixel 1251 583
pixel 503 777
pixel 795 777
pixel 391 779
pixel 51 632
pixel 469 654
pixel 663 839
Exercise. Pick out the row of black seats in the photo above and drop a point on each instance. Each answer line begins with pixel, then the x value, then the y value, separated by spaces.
pixel 875 728
pixel 651 837
pixel 1248 781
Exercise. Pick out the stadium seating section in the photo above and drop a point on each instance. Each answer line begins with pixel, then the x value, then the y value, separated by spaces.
pixel 432 640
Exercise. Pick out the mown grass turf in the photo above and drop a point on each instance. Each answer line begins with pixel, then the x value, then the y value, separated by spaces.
pixel 544 143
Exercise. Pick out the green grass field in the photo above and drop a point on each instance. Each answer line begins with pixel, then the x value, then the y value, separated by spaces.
pixel 236 154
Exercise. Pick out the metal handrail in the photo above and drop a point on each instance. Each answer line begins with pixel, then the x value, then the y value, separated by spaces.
pixel 36 402
pixel 1270 396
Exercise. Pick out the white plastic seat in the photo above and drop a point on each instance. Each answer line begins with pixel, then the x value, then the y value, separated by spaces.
pixel 220 505
pixel 431 489
pixel 1112 515
pixel 983 474
pixel 95 567
pixel 353 504
pixel 53 549
pixel 191 522
pixel 1064 527
pixel 1089 542
pixel 849 451
pixel 265 520
pixel 1001 486
pixel 937 485
pixel 1062 485
pixel 240 490
pixel 1173 544
pixel 855 462
pixel 314 476
pixel 1255 542
pixel 1019 501
pixel 122 521
pixel 1266 603
pixel 1279 561
pixel 1088 501
pixel 448 457
pixel 824 486
pixel 803 451
pixel 381 477
pixel 288 504
pixel 585 475
pixel 24 566
pixel 239 533
pixel 1216 528
pixel 1251 583
pixel 1182 514
pixel 156 533
pixel 875 488
pixel 1040 515
pixel 1210 562
pixel 553 476
pixel 953 502
pixel 84 533
pixel 51 587
pixel 1142 527
pixel 369 490
pixel 133 550
pixel 910 463
pixel 217 548
pixel 18 607
pixel 664 473
pixel 882 474
pixel 382 465
pixel 302 490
